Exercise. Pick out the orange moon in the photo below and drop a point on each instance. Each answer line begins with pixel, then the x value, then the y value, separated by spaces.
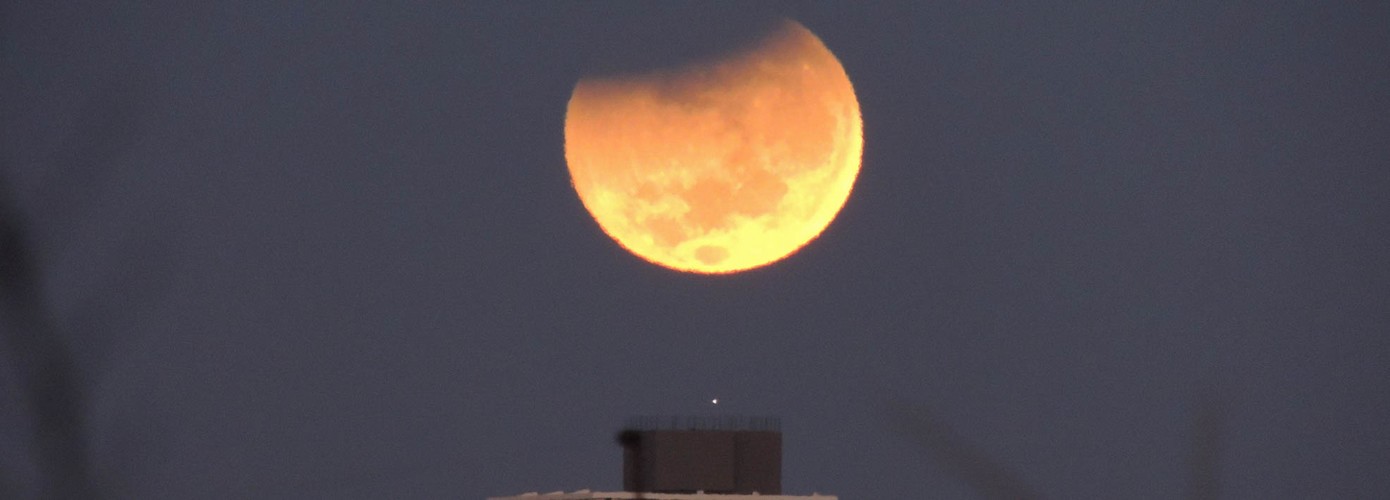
pixel 719 166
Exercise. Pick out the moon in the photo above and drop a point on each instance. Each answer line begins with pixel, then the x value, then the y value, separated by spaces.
pixel 723 165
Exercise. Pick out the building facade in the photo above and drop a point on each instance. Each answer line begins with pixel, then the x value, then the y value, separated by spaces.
pixel 695 458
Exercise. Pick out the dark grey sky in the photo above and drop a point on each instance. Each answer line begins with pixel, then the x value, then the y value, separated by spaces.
pixel 331 250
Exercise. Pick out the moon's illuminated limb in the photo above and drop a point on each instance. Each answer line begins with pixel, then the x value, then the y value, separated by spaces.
pixel 723 166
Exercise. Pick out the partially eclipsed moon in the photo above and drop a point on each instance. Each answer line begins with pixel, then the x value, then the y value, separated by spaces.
pixel 722 166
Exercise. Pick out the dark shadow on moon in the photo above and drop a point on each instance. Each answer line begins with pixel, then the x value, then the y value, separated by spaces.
pixel 670 36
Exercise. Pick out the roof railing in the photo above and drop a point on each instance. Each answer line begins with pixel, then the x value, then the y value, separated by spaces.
pixel 704 423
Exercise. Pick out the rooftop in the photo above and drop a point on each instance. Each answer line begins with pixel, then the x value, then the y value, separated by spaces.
pixel 625 495
pixel 704 423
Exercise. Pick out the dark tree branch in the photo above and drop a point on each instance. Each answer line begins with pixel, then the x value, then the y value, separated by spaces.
pixel 1204 464
pixel 44 362
pixel 961 459
pixel 45 366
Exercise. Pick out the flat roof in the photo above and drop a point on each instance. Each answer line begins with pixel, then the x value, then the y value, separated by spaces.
pixel 629 495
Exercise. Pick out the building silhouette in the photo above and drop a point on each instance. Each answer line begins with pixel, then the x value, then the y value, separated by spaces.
pixel 695 458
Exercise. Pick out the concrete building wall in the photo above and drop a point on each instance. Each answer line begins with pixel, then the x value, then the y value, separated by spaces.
pixel 713 461
pixel 758 462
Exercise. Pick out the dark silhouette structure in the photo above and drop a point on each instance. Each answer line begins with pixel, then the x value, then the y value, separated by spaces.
pixel 723 455
pixel 695 458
